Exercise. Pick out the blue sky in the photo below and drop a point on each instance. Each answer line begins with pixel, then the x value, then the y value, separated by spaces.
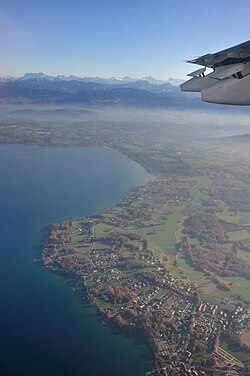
pixel 116 38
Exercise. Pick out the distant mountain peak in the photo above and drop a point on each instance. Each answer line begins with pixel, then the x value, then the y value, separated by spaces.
pixel 175 81
pixel 153 80
pixel 40 75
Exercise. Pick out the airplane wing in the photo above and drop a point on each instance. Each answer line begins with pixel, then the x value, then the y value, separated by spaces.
pixel 233 55
pixel 229 82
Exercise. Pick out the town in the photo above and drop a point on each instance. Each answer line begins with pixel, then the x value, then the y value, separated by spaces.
pixel 138 263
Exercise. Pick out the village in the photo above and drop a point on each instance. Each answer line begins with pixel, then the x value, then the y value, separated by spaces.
pixel 114 258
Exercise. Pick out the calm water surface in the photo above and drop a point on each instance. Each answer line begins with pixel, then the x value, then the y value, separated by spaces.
pixel 44 330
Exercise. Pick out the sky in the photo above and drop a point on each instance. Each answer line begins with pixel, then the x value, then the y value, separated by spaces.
pixel 106 38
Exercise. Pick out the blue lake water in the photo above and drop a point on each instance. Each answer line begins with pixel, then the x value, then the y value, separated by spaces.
pixel 44 329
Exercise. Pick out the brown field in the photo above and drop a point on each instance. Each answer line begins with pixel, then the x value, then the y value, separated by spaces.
pixel 83 248
pixel 100 245
pixel 245 338
pixel 169 251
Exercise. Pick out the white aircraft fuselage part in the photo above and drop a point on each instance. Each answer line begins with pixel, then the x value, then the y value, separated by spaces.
pixel 228 91
pixel 196 84
pixel 197 72
pixel 229 82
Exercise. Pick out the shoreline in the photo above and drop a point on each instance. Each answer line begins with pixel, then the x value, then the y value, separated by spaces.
pixel 128 283
pixel 78 287
pixel 99 245
pixel 125 329
pixel 59 321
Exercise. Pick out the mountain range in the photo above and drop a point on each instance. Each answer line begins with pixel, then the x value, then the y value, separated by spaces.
pixel 108 81
pixel 126 91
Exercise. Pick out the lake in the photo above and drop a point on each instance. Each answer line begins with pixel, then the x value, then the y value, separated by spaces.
pixel 45 329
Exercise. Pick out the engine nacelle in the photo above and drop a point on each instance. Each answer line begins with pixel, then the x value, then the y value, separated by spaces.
pixel 228 91
pixel 196 84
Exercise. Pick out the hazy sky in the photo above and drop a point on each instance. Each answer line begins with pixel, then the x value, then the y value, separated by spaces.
pixel 116 37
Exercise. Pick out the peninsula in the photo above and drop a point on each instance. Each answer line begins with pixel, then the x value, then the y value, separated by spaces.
pixel 170 263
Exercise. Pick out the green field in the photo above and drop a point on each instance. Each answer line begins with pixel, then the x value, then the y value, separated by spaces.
pixel 198 193
pixel 101 230
pixel 229 217
pixel 240 286
pixel 194 241
pixel 162 236
pixel 188 268
pixel 245 255
pixel 238 235
pixel 232 347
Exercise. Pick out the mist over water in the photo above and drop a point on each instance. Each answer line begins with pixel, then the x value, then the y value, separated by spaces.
pixel 44 328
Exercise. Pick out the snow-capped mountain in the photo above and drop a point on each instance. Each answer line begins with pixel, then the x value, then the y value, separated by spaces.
pixel 99 80
pixel 153 80
pixel 175 81
pixel 40 75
